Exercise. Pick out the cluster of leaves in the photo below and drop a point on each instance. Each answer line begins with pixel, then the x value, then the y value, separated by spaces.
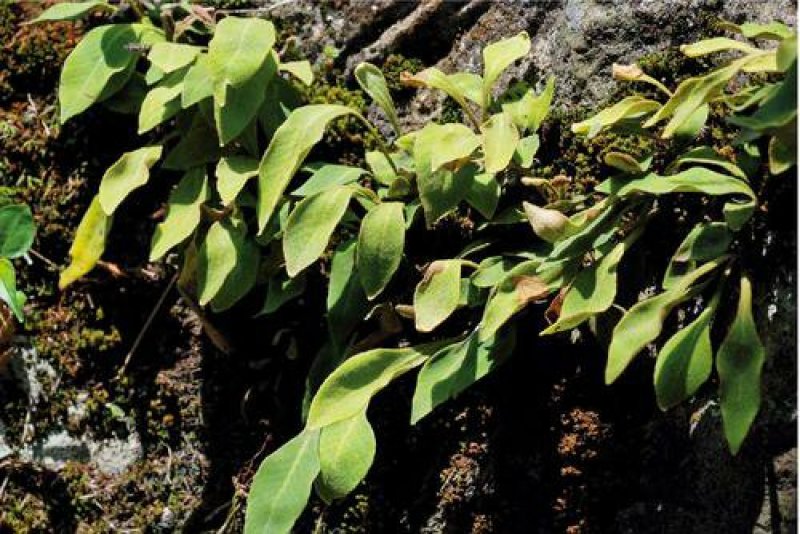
pixel 221 117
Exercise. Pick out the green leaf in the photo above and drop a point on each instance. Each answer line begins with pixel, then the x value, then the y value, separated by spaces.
pixel 346 452
pixel 8 289
pixel 198 84
pixel 437 294
pixel 326 177
pixel 775 31
pixel 684 363
pixel 500 138
pixel 740 359
pixel 130 171
pixel 456 367
pixel 530 110
pixel 705 155
pixel 346 301
pixel 380 167
pixel 310 226
pixel 448 143
pixel 467 84
pixel 627 163
pixel 498 56
pixel 591 293
pixel 491 271
pixel 348 390
pixel 371 80
pixel 455 87
pixel 17 230
pixel 629 108
pixel 162 102
pixel 290 145
pixel 236 108
pixel 72 10
pixel 280 290
pixel 706 241
pixel 183 213
pixel 216 259
pixel 483 194
pixel 526 150
pixel 716 44
pixel 240 64
pixel 642 323
pixel 300 70
pixel 380 246
pixel 170 57
pixel 521 286
pixel 282 486
pixel 243 276
pixel 442 190
pixel 88 244
pixel 232 175
pixel 197 146
pixel 100 65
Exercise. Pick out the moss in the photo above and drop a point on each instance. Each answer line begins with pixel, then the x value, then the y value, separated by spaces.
pixel 394 67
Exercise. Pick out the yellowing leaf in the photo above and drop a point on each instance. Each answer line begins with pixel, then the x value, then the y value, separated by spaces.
pixel 450 142
pixel 715 44
pixel 437 294
pixel 346 452
pixel 380 246
pixel 629 108
pixel 129 172
pixel 282 485
pixel 300 70
pixel 498 56
pixel 310 226
pixel 550 225
pixel 739 362
pixel 289 146
pixel 500 138
pixel 183 213
pixel 88 245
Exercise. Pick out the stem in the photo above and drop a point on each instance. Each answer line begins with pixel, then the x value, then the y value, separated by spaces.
pixel 652 81
pixel 382 146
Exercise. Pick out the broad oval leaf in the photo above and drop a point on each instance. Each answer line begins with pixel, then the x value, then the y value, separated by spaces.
pixel 17 230
pixel 498 56
pixel 282 485
pixel 380 246
pixel 684 363
pixel 530 110
pixel 348 390
pixel 448 143
pixel 161 103
pixel 346 301
pixel 483 194
pixel 705 155
pixel 740 359
pixel 215 260
pixel 197 84
pixel 706 241
pixel 88 244
pixel 437 294
pixel 290 145
pixel 550 225
pixel 300 70
pixel 371 80
pixel 183 213
pixel 346 452
pixel 310 226
pixel 100 65
pixel 243 276
pixel 130 171
pixel 240 64
pixel 72 10
pixel 499 137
